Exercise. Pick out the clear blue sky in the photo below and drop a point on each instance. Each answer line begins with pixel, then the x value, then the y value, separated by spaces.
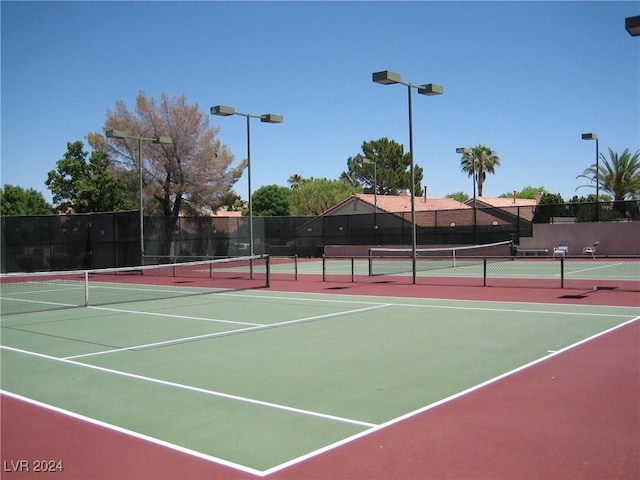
pixel 525 78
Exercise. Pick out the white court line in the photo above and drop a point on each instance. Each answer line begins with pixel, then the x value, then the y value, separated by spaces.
pixel 226 332
pixel 169 315
pixel 454 307
pixel 590 269
pixel 191 388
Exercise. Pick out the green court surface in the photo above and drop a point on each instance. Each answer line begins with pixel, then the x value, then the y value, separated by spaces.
pixel 258 379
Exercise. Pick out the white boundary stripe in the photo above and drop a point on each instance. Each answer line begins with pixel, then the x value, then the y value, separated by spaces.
pixel 131 433
pixel 440 402
pixel 191 388
pixel 455 307
pixel 253 327
pixel 590 269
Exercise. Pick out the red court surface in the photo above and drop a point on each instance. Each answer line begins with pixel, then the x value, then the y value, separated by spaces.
pixel 572 416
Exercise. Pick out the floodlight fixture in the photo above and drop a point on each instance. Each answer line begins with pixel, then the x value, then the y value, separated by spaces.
pixel 430 89
pixel 223 110
pixel 271 118
pixel 632 25
pixel 116 134
pixel 387 77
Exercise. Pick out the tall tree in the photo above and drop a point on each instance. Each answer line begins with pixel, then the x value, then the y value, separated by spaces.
pixel 86 185
pixel 479 160
pixel 15 200
pixel 392 172
pixel 314 196
pixel 618 175
pixel 196 168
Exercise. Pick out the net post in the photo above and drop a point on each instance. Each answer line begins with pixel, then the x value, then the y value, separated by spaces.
pixel 562 271
pixel 324 267
pixel 353 270
pixel 413 266
pixel 484 271
pixel 251 268
pixel 268 268
pixel 86 288
pixel 295 266
pixel 211 270
pixel 453 250
pixel 370 261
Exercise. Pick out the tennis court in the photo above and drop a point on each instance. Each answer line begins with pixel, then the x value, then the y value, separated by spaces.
pixel 260 380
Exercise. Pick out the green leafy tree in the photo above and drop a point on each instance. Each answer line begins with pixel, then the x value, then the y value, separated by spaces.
pixel 551 205
pixel 459 196
pixel 87 185
pixel 387 170
pixel 527 192
pixel 479 160
pixel 271 201
pixel 315 196
pixel 15 200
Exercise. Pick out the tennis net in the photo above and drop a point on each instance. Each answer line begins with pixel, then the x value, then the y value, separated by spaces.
pixel 43 291
pixel 386 261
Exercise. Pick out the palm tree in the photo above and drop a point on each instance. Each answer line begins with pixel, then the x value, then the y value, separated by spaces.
pixel 619 175
pixel 479 160
pixel 295 180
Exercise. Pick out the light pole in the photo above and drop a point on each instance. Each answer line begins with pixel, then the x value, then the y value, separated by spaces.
pixel 226 111
pixel 164 140
pixel 593 136
pixel 375 183
pixel 386 77
pixel 469 152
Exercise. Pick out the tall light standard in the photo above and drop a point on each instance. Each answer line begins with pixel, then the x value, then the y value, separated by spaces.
pixel 593 136
pixel 386 77
pixel 164 140
pixel 469 152
pixel 375 182
pixel 226 111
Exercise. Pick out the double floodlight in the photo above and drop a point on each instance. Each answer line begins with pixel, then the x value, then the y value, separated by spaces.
pixel 121 134
pixel 225 111
pixel 387 77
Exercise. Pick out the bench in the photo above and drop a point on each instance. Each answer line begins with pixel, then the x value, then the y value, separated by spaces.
pixel 532 251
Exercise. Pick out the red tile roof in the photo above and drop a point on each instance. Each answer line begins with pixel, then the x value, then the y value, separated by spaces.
pixel 402 203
